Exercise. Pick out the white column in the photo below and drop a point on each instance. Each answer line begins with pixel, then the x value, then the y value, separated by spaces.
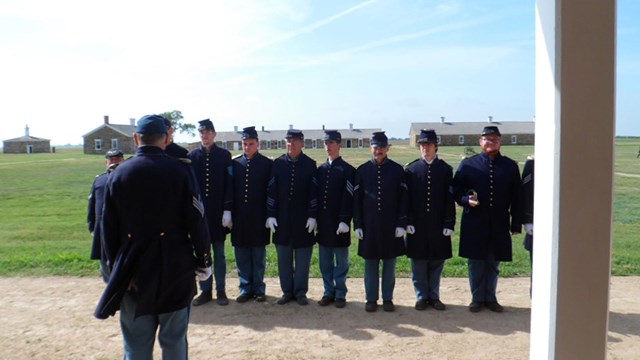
pixel 575 129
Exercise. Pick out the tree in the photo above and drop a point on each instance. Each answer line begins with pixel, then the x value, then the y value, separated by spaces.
pixel 175 116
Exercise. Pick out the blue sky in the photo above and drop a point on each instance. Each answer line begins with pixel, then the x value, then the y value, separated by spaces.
pixel 382 63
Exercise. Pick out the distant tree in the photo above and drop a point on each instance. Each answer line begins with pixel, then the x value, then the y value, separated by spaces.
pixel 175 116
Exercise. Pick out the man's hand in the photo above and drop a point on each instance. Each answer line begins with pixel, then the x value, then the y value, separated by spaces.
pixel 226 219
pixel 447 232
pixel 271 223
pixel 529 229
pixel 399 232
pixel 411 229
pixel 203 273
pixel 359 234
pixel 311 225
pixel 342 228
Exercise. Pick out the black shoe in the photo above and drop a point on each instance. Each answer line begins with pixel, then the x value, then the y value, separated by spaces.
pixel 494 306
pixel 326 300
pixel 302 300
pixel 221 298
pixel 371 306
pixel 243 298
pixel 437 304
pixel 261 298
pixel 475 306
pixel 283 300
pixel 202 299
pixel 340 303
pixel 421 304
pixel 387 305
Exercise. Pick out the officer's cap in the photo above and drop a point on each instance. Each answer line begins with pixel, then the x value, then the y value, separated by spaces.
pixel 249 133
pixel 113 153
pixel 428 136
pixel 206 124
pixel 491 130
pixel 332 135
pixel 151 124
pixel 294 134
pixel 379 139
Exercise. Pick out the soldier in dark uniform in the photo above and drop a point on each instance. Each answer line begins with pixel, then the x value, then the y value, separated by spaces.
pixel 335 185
pixel 155 238
pixel 488 187
pixel 249 237
pixel 379 217
pixel 94 211
pixel 527 207
pixel 432 216
pixel 212 167
pixel 292 207
pixel 174 149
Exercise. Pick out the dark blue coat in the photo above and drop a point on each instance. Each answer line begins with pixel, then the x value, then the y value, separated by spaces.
pixel 292 200
pixel 335 201
pixel 153 233
pixel 431 209
pixel 213 173
pixel 380 205
pixel 488 226
pixel 176 151
pixel 527 200
pixel 250 180
pixel 94 213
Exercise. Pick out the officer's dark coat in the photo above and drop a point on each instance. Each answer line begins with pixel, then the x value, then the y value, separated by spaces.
pixel 431 209
pixel 250 180
pixel 488 226
pixel 335 201
pixel 176 151
pixel 213 172
pixel 292 200
pixel 527 200
pixel 153 230
pixel 94 213
pixel 380 205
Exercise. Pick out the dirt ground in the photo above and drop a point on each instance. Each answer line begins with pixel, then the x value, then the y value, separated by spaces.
pixel 51 318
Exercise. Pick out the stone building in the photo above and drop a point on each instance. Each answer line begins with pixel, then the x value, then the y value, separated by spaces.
pixel 110 136
pixel 26 144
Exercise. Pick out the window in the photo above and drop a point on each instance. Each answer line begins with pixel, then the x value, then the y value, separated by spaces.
pixel 115 143
pixel 461 139
pixel 314 144
pixel 439 139
pixel 97 144
pixel 514 139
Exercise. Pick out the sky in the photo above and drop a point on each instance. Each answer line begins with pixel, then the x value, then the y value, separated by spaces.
pixel 307 63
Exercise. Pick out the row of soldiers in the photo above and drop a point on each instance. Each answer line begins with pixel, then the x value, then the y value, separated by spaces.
pixel 395 211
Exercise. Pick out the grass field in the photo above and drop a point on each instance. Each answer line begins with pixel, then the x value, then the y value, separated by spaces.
pixel 44 203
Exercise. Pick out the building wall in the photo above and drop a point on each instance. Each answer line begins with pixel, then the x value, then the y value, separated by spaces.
pixel 472 140
pixel 20 147
pixel 126 143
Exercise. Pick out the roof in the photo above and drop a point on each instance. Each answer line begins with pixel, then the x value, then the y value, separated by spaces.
pixel 27 139
pixel 126 130
pixel 474 128
pixel 308 134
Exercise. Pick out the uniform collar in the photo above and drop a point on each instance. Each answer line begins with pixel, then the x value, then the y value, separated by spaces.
pixel 435 159
pixel 336 160
pixel 149 150
pixel 485 156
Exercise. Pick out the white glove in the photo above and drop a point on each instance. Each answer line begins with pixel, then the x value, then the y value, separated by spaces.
pixel 359 234
pixel 342 228
pixel 203 273
pixel 311 225
pixel 271 223
pixel 226 219
pixel 399 232
pixel 529 229
pixel 411 229
pixel 447 232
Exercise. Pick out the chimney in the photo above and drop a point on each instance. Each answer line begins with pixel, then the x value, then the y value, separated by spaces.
pixel 106 119
pixel 350 126
pixel 490 118
pixel 322 126
pixel 132 121
pixel 442 119
pixel 262 128
pixel 235 128
pixel 290 126
pixel 26 130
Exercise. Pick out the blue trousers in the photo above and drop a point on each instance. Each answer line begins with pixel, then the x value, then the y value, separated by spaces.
pixel 140 333
pixel 293 269
pixel 219 269
pixel 372 278
pixel 483 278
pixel 426 276
pixel 251 263
pixel 334 266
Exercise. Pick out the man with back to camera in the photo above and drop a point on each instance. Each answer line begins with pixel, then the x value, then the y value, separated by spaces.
pixel 113 158
pixel 380 218
pixel 212 167
pixel 432 216
pixel 292 208
pixel 488 187
pixel 155 236
pixel 335 185
pixel 249 236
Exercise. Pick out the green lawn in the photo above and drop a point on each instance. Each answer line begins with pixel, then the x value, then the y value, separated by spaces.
pixel 44 202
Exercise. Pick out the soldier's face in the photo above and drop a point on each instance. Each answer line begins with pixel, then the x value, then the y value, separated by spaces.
pixel 294 147
pixel 250 147
pixel 379 153
pixel 428 150
pixel 332 148
pixel 114 160
pixel 490 144
pixel 207 136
